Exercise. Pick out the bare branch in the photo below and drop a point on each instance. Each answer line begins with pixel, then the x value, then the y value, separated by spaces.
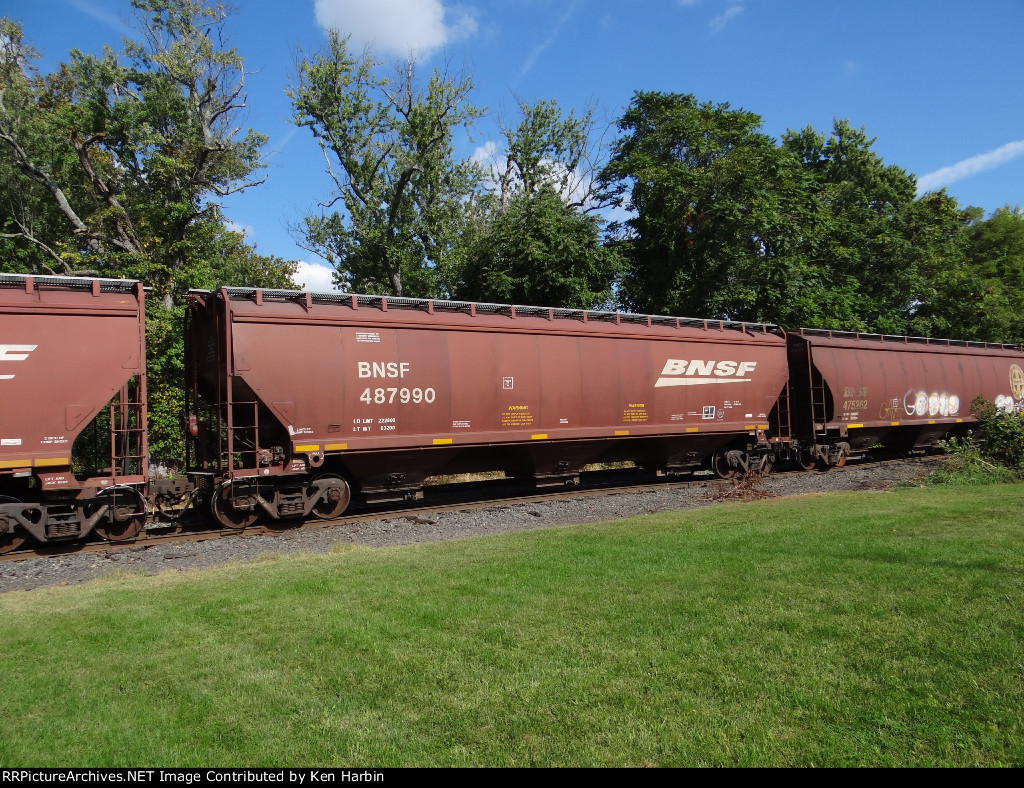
pixel 221 191
pixel 126 240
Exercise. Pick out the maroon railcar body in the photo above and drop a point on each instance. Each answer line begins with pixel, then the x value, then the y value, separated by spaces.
pixel 70 348
pixel 384 391
pixel 853 391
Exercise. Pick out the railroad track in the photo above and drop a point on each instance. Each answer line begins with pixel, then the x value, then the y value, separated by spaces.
pixel 454 497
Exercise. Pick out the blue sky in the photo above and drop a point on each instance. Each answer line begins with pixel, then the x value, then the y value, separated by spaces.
pixel 938 83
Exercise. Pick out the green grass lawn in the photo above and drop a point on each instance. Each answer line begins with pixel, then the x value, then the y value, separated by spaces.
pixel 854 629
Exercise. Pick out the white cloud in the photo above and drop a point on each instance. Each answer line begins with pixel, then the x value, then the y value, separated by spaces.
pixel 725 17
pixel 552 36
pixel 314 277
pixel 487 157
pixel 102 15
pixel 484 154
pixel 245 230
pixel 398 27
pixel 972 166
pixel 282 142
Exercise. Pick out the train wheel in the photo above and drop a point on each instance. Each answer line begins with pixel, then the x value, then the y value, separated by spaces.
pixel 125 516
pixel 720 465
pixel 333 495
pixel 11 540
pixel 806 460
pixel 232 510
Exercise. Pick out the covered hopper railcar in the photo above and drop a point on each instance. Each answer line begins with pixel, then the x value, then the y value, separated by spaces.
pixel 852 392
pixel 304 398
pixel 70 349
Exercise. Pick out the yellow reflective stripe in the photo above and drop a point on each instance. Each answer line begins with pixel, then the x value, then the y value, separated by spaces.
pixel 442 441
pixel 894 424
pixel 540 436
pixel 764 426
pixel 959 421
pixel 15 463
pixel 308 447
pixel 622 432
pixel 691 429
pixel 336 447
pixel 49 462
pixel 931 421
pixel 851 426
pixel 750 427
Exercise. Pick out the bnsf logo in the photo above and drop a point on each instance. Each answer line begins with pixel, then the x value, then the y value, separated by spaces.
pixel 14 353
pixel 383 369
pixel 678 372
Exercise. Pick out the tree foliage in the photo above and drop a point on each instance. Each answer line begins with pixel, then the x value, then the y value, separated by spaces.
pixel 812 230
pixel 540 251
pixel 113 165
pixel 982 296
pixel 717 209
pixel 546 151
pixel 534 238
pixel 876 248
pixel 124 156
pixel 390 147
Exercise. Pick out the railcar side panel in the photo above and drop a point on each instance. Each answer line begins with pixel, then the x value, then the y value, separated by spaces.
pixel 70 349
pixel 906 393
pixel 388 384
pixel 64 354
pixel 342 382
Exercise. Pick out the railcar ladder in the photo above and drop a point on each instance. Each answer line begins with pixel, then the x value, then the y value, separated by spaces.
pixel 818 406
pixel 128 447
pixel 782 426
pixel 243 446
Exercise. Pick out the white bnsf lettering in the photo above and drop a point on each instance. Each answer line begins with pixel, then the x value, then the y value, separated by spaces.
pixel 14 353
pixel 680 372
pixel 383 369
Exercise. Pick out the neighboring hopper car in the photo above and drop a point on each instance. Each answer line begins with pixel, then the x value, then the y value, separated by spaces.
pixel 852 392
pixel 69 349
pixel 301 400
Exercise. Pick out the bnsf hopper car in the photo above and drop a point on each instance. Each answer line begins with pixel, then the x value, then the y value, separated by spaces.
pixel 309 395
pixel 69 349
pixel 298 401
pixel 851 392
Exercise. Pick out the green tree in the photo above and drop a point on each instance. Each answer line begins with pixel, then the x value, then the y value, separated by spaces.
pixel 540 251
pixel 995 259
pixel 546 151
pixel 535 236
pixel 113 165
pixel 390 147
pixel 875 248
pixel 35 235
pixel 980 295
pixel 718 210
pixel 132 151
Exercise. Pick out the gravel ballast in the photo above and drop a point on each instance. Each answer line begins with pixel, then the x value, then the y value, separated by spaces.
pixel 73 569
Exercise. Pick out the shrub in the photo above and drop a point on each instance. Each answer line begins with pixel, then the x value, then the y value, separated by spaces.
pixel 995 455
pixel 1001 435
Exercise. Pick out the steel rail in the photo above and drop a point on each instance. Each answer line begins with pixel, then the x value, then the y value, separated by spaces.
pixel 176 533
